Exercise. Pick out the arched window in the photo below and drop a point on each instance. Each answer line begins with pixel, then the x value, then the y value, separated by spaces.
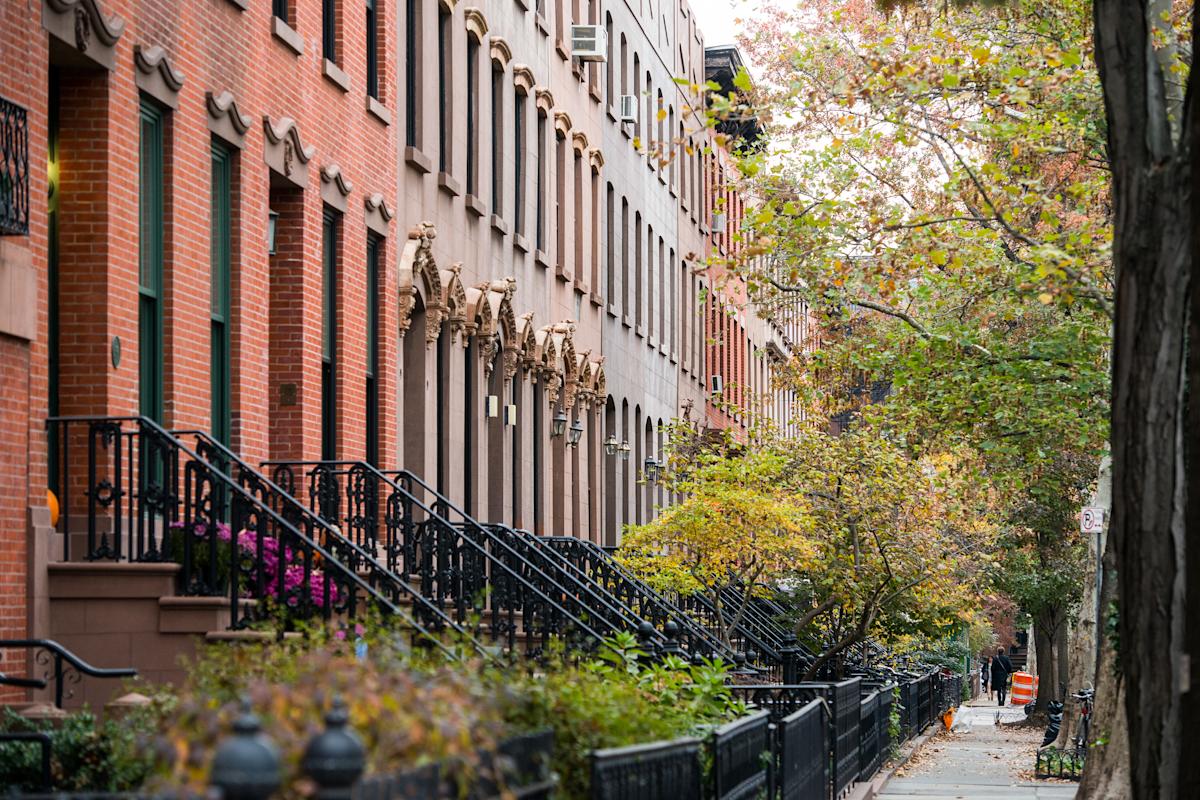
pixel 608 62
pixel 471 415
pixel 624 65
pixel 560 201
pixel 671 149
pixel 577 269
pixel 595 200
pixel 625 257
pixel 610 488
pixel 651 296
pixel 637 270
pixel 610 249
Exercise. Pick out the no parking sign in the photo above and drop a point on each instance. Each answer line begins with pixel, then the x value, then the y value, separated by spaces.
pixel 1091 520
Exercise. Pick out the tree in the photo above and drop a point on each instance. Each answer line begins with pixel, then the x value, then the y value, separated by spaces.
pixel 944 207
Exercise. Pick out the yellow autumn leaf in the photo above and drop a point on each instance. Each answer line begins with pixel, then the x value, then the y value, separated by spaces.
pixel 1045 298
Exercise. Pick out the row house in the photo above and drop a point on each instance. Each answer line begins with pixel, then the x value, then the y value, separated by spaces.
pixel 422 235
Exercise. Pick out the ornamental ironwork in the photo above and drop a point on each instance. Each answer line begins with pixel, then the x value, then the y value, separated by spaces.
pixel 14 169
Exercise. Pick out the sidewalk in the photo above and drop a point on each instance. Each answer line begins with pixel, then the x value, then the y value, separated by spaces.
pixel 986 762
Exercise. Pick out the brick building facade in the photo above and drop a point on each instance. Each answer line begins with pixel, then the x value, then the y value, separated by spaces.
pixel 409 233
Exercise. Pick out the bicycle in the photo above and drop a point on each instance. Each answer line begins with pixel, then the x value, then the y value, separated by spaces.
pixel 1085 698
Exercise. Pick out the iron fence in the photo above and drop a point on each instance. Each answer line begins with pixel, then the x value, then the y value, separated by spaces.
pixel 803 760
pixel 14 169
pixel 656 771
pixel 741 757
pixel 1055 763
pixel 868 736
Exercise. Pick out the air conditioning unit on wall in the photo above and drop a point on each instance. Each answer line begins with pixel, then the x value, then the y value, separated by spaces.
pixel 589 42
pixel 627 108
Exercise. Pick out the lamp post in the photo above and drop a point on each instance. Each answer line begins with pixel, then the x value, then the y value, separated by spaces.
pixel 558 425
pixel 610 445
pixel 575 434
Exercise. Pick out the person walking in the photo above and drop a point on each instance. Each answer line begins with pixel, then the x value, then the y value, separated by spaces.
pixel 985 672
pixel 1002 668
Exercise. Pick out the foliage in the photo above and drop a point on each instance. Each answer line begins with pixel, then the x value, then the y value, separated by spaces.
pixel 735 527
pixel 86 755
pixel 414 707
pixel 621 698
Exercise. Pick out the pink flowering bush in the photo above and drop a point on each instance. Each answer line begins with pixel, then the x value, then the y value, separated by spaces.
pixel 252 548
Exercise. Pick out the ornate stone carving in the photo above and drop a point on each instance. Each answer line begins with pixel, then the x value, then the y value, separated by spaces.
pixel 285 152
pixel 83 25
pixel 150 60
pixel 454 303
pixel 418 274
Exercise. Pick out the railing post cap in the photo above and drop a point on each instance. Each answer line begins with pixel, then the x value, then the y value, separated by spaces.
pixel 336 758
pixel 247 766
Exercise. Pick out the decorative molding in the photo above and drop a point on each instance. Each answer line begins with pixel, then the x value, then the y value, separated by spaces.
pixel 418 276
pixel 334 186
pixel 500 51
pixel 155 59
pixel 562 122
pixel 285 152
pixel 562 334
pixel 579 141
pixel 454 303
pixel 378 213
pixel 476 22
pixel 523 77
pixel 449 4
pixel 225 119
pixel 543 99
pixel 525 345
pixel 596 159
pixel 82 25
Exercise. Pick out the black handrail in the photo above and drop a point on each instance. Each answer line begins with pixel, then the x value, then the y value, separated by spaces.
pixel 61 654
pixel 260 483
pixel 491 554
pixel 159 505
pixel 630 589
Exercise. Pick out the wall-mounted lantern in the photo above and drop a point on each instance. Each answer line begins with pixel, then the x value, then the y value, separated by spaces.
pixel 575 434
pixel 624 449
pixel 610 445
pixel 558 425
pixel 653 470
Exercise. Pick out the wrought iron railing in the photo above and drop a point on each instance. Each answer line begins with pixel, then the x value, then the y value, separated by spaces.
pixel 468 571
pixel 741 757
pixel 14 169
pixel 421 614
pixel 656 771
pixel 868 736
pixel 144 495
pixel 60 666
pixel 804 747
pixel 632 591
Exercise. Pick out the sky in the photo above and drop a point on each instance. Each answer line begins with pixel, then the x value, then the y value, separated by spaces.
pixel 716 19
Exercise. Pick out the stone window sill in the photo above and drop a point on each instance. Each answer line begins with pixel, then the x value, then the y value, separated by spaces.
pixel 625 321
pixel 541 258
pixel 378 110
pixel 541 24
pixel 611 114
pixel 640 330
pixel 521 243
pixel 415 158
pixel 594 91
pixel 476 206
pixel 290 38
pixel 335 74
pixel 596 299
pixel 561 49
pixel 447 184
pixel 612 310
pixel 499 224
pixel 240 5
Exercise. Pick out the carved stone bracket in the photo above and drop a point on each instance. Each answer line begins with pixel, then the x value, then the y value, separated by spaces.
pixel 225 119
pixel 284 152
pixel 335 189
pixel 83 26
pixel 378 213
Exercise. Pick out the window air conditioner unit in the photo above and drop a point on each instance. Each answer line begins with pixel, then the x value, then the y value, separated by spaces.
pixel 628 108
pixel 589 42
pixel 718 222
pixel 718 384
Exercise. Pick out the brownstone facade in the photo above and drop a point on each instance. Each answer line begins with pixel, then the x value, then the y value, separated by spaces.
pixel 468 240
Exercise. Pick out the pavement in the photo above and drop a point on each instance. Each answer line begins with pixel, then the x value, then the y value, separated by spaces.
pixel 979 760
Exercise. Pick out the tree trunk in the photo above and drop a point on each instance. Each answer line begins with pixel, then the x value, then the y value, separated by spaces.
pixel 1044 651
pixel 1106 773
pixel 1152 258
pixel 1082 652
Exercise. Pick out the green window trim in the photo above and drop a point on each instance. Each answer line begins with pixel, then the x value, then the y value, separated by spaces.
pixel 329 234
pixel 221 244
pixel 372 383
pixel 150 261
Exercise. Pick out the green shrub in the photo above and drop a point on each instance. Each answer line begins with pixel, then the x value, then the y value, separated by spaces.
pixel 86 755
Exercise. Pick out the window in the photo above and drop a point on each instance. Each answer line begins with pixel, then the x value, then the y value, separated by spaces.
pixel 651 297
pixel 624 65
pixel 372 382
pixel 497 137
pixel 329 231
pixel 608 61
pixel 577 226
pixel 610 221
pixel 595 201
pixel 638 275
pixel 540 234
pixel 221 246
pixel 560 200
pixel 329 30
pixel 625 256
pixel 472 115
pixel 150 262
pixel 280 9
pixel 520 101
pixel 444 89
pixel 412 62
pixel 372 49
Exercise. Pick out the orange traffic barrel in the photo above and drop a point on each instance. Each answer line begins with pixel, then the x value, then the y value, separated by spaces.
pixel 1022 688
